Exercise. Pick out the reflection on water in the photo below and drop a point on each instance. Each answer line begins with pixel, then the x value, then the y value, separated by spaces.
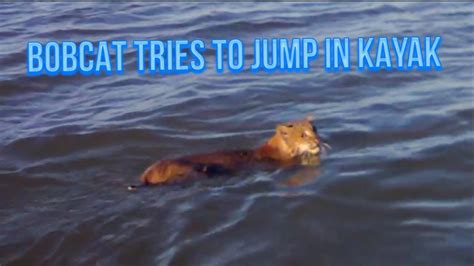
pixel 396 189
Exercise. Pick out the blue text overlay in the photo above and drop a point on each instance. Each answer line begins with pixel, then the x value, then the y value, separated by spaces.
pixel 152 57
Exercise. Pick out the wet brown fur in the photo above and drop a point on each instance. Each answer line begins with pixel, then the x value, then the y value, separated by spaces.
pixel 291 141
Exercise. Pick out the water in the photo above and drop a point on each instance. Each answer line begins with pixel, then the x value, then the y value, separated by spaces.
pixel 395 190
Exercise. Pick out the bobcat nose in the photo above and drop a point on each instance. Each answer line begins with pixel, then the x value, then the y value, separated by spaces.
pixel 318 139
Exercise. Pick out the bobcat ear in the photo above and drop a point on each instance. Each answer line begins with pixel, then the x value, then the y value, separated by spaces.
pixel 282 130
pixel 309 118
